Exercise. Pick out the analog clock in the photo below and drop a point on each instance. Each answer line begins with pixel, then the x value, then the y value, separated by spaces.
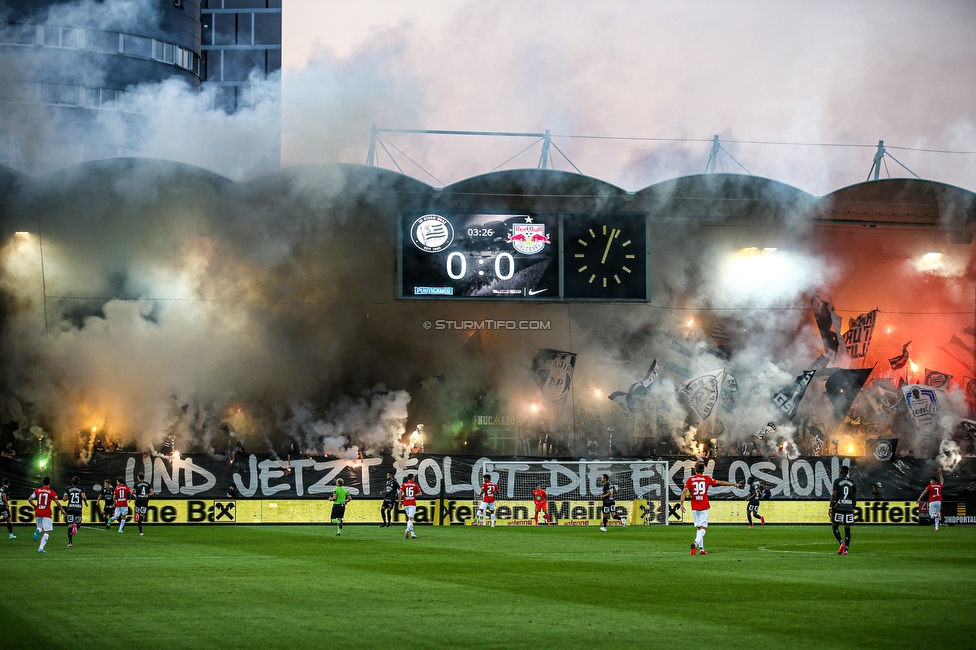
pixel 606 259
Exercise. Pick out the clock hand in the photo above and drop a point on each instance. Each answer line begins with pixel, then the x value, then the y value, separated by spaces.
pixel 613 233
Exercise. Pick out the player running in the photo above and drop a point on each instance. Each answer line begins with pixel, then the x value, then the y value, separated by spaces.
pixel 609 503
pixel 756 491
pixel 340 497
pixel 108 502
pixel 408 499
pixel 142 491
pixel 75 499
pixel 842 502
pixel 934 492
pixel 488 492
pixel 697 487
pixel 41 499
pixel 541 499
pixel 390 491
pixel 121 494
pixel 5 514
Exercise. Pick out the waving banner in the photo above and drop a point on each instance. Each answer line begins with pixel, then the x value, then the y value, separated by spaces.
pixel 857 338
pixel 553 371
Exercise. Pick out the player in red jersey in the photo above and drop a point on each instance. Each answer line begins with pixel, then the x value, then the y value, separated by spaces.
pixel 409 491
pixel 41 499
pixel 122 492
pixel 488 492
pixel 934 492
pixel 697 487
pixel 541 499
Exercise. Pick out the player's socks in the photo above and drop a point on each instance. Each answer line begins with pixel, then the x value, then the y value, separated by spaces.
pixel 847 538
pixel 749 518
pixel 121 524
pixel 69 536
pixel 10 528
pixel 492 519
pixel 43 541
pixel 139 523
pixel 837 535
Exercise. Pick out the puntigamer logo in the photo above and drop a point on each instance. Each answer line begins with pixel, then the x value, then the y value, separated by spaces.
pixel 432 233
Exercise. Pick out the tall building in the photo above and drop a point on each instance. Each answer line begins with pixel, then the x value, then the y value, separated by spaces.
pixel 239 38
pixel 70 78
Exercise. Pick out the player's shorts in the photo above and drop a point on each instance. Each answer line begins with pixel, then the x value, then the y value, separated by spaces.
pixel 45 524
pixel 410 511
pixel 338 511
pixel 72 517
pixel 487 506
pixel 753 506
pixel 4 513
pixel 388 505
pixel 108 510
pixel 935 509
pixel 141 511
pixel 121 511
pixel 701 518
pixel 845 518
pixel 540 507
pixel 610 509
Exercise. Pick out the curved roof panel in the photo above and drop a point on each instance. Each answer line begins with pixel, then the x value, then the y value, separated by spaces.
pixel 524 189
pixel 902 201
pixel 723 197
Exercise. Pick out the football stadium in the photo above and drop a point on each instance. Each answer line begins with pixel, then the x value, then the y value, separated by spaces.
pixel 333 404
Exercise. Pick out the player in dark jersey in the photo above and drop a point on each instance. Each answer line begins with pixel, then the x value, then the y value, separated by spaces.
pixel 608 494
pixel 142 491
pixel 390 492
pixel 842 503
pixel 75 499
pixel 108 502
pixel 5 515
pixel 756 492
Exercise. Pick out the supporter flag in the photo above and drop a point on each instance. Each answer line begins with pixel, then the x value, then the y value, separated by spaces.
pixel 829 324
pixel 730 392
pixel 884 449
pixel 553 371
pixel 681 360
pixel 936 379
pixel 703 393
pixel 428 384
pixel 769 429
pixel 883 396
pixel 721 334
pixel 925 406
pixel 960 347
pixel 899 362
pixel 843 386
pixel 633 400
pixel 788 399
pixel 857 338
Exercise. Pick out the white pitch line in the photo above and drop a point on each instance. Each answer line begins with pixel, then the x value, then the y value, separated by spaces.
pixel 135 559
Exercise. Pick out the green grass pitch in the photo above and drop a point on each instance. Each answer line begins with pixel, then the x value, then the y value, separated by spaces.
pixel 300 586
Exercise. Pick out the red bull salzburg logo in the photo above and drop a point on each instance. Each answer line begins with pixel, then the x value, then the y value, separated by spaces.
pixel 528 238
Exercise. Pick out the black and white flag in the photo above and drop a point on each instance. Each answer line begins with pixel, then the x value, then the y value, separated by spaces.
pixel 633 400
pixel 829 324
pixel 857 338
pixel 769 429
pixel 788 399
pixel 553 371
pixel 703 393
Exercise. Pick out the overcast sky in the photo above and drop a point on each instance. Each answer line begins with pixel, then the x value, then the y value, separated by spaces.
pixel 826 72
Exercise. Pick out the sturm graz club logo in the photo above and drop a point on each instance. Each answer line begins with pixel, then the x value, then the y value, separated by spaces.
pixel 432 233
pixel 883 450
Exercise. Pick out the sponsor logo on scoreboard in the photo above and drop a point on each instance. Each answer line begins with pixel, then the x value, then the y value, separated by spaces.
pixel 433 291
pixel 432 233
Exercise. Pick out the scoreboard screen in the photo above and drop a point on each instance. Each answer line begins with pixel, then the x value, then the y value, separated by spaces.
pixel 537 256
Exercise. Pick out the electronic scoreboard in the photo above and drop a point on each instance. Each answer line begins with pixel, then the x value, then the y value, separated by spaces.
pixel 527 256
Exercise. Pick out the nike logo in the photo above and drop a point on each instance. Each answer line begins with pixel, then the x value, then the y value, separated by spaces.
pixel 533 292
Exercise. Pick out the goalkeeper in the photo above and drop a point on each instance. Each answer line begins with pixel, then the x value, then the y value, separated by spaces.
pixel 541 499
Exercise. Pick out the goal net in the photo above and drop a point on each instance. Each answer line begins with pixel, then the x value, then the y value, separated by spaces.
pixel 574 489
